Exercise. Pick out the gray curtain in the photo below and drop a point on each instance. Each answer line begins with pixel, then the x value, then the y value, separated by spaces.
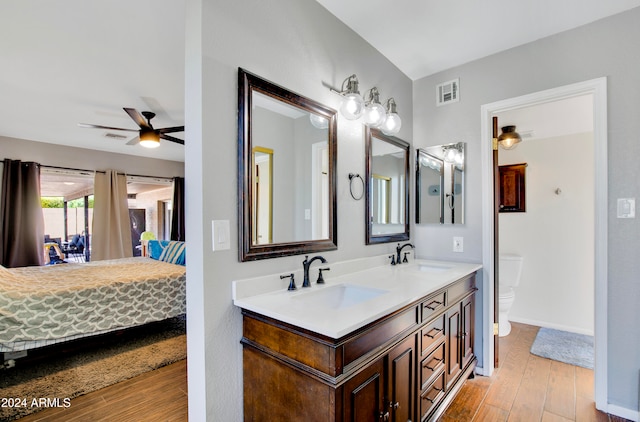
pixel 177 214
pixel 111 232
pixel 22 236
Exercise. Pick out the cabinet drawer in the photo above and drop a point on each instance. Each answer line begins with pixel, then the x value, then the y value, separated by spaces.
pixel 431 335
pixel 430 398
pixel 431 366
pixel 432 305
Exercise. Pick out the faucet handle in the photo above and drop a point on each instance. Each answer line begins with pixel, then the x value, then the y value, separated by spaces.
pixel 320 278
pixel 405 260
pixel 292 283
pixel 393 259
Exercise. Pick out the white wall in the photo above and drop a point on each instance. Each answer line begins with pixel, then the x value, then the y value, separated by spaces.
pixel 604 48
pixel 555 235
pixel 299 45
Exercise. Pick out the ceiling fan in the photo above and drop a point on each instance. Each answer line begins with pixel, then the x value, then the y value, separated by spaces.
pixel 148 136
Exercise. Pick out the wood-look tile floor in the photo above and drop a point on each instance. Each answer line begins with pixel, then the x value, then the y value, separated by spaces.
pixel 155 396
pixel 528 388
pixel 524 388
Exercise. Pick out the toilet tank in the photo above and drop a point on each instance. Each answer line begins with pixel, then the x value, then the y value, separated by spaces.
pixel 510 269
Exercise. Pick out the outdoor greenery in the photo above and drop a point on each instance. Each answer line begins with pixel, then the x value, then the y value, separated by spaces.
pixel 58 202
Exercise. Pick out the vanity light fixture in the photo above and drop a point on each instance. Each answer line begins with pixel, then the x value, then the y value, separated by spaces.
pixel 509 138
pixel 392 122
pixel 352 105
pixel 374 112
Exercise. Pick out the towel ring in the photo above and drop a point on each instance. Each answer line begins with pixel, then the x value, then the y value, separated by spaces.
pixel 351 177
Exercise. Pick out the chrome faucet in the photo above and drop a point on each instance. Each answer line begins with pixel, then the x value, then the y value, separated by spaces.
pixel 305 266
pixel 399 250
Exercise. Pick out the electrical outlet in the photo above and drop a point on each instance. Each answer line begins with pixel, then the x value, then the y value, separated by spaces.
pixel 458 244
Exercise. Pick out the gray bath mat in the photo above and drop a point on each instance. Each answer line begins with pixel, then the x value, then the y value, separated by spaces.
pixel 572 348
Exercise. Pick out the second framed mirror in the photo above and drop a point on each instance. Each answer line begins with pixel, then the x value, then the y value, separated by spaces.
pixel 387 188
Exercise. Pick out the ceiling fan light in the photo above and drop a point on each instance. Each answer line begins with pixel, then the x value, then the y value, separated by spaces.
pixel 149 139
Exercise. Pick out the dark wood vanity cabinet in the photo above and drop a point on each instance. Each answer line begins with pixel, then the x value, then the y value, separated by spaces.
pixel 406 366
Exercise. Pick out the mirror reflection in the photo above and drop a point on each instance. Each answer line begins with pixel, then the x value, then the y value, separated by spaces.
pixel 387 188
pixel 288 191
pixel 440 184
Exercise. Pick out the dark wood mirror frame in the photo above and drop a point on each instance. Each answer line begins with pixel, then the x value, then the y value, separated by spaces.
pixel 372 238
pixel 247 84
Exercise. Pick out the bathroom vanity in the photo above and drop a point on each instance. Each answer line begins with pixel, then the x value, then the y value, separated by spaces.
pixel 389 343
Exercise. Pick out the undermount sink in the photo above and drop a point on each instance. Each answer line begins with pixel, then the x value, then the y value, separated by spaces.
pixel 433 268
pixel 339 296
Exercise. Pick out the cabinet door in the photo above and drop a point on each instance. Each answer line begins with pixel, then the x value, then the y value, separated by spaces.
pixel 467 330
pixel 402 373
pixel 364 395
pixel 453 345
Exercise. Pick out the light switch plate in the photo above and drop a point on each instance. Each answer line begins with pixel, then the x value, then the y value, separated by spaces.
pixel 626 208
pixel 220 235
pixel 458 244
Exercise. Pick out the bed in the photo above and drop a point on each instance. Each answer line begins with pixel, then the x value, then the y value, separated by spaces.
pixel 44 305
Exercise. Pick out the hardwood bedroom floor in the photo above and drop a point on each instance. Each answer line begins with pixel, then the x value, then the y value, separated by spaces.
pixel 159 395
pixel 524 388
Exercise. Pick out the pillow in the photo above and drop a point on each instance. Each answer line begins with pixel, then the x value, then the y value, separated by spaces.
pixel 156 247
pixel 174 253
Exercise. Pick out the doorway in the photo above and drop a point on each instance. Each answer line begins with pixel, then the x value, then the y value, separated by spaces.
pixel 596 87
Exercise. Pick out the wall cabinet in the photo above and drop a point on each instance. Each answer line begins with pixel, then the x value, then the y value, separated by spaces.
pixel 406 366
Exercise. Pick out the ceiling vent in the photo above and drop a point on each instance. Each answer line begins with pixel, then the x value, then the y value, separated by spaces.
pixel 448 92
pixel 114 136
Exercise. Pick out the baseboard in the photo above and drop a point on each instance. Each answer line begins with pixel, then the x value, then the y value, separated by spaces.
pixel 546 324
pixel 623 412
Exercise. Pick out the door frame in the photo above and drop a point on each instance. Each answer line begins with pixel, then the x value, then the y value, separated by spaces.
pixel 598 88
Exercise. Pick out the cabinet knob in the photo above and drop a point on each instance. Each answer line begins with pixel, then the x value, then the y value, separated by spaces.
pixel 384 416
pixel 395 405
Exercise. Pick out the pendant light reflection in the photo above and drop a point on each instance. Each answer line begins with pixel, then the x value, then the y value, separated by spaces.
pixel 509 138
pixel 318 121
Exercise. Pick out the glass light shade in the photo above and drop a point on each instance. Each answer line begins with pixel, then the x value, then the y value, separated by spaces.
pixel 352 106
pixel 509 138
pixel 318 121
pixel 392 124
pixel 374 115
pixel 149 139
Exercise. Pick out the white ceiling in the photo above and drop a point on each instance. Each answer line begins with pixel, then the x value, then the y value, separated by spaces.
pixel 66 62
pixel 422 37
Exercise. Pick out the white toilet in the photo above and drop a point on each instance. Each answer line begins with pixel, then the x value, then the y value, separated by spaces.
pixel 509 274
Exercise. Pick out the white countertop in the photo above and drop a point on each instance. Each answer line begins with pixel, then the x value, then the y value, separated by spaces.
pixel 334 311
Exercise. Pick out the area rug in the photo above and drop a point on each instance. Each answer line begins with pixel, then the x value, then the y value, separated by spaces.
pixel 73 371
pixel 571 348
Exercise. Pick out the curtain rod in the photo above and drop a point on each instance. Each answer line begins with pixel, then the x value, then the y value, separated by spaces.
pixel 93 171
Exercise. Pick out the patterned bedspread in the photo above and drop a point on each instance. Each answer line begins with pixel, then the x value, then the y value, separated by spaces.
pixel 66 300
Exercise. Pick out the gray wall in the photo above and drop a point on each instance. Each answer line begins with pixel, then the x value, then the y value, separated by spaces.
pixel 299 45
pixel 605 48
pixel 86 159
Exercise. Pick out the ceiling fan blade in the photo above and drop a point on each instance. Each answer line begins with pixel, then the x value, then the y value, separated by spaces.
pixel 134 141
pixel 136 116
pixel 105 127
pixel 172 139
pixel 171 129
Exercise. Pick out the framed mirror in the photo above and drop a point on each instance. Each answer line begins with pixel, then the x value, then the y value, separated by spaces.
pixel 286 171
pixel 440 184
pixel 387 188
